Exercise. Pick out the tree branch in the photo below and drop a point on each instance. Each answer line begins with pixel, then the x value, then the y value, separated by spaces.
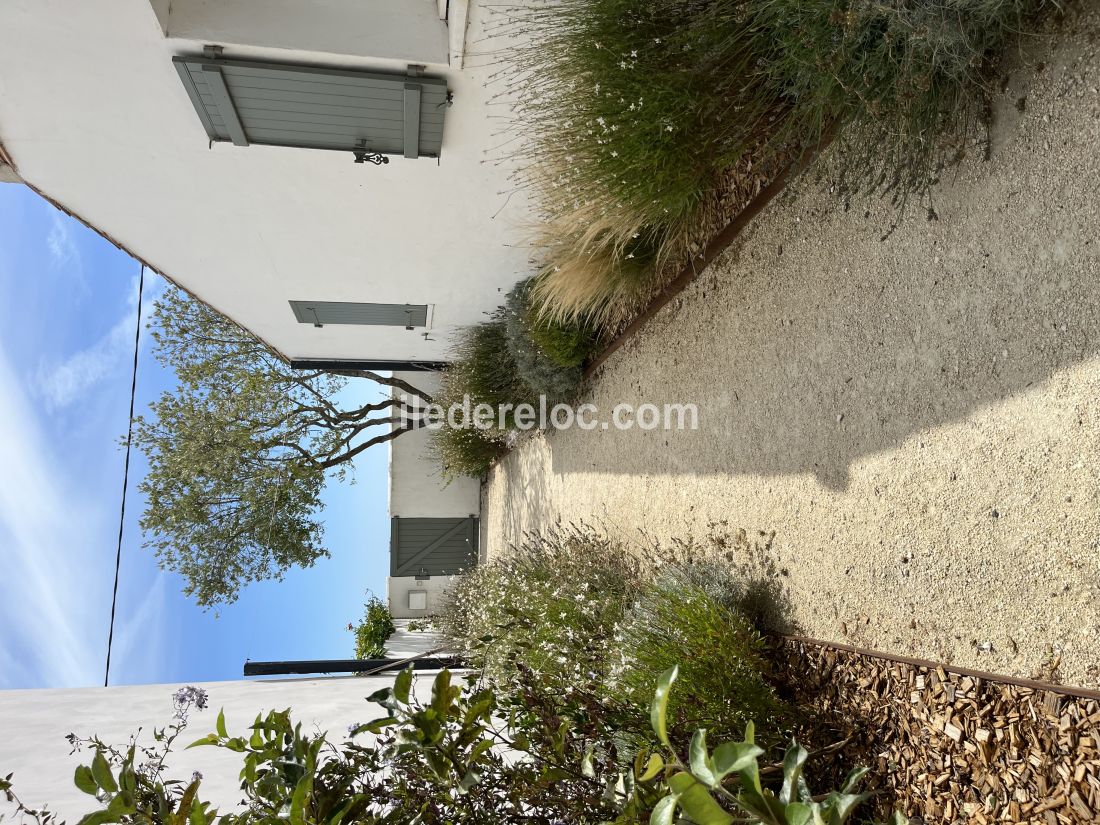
pixel 396 383
pixel 352 453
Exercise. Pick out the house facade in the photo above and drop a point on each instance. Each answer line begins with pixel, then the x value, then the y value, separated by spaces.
pixel 323 173
pixel 435 530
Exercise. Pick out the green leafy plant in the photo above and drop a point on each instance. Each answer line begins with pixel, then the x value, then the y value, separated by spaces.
pixel 552 603
pixel 574 606
pixel 483 366
pixel 515 358
pixel 465 451
pixel 723 667
pixel 458 448
pixel 555 371
pixel 453 759
pixel 373 630
pixel 703 791
pixel 566 344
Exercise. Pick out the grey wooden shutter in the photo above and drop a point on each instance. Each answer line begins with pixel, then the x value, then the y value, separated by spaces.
pixel 350 312
pixel 316 107
pixel 432 546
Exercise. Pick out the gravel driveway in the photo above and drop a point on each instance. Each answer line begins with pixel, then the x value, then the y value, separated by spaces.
pixel 915 418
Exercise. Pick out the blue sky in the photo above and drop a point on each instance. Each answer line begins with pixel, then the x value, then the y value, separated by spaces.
pixel 67 312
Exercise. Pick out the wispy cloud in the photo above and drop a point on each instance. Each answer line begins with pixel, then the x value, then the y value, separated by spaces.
pixel 60 243
pixel 62 382
pixel 46 602
pixel 138 649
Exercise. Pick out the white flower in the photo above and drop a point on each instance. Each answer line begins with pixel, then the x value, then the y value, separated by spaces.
pixel 614 154
pixel 634 53
pixel 622 64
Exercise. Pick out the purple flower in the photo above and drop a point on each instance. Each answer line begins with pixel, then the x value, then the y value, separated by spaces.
pixel 187 696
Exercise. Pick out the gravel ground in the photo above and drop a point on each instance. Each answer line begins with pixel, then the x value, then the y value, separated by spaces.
pixel 915 418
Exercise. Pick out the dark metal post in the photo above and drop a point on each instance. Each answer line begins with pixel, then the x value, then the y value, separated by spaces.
pixel 349 665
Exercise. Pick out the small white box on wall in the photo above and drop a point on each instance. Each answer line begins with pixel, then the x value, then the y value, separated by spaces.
pixel 418 600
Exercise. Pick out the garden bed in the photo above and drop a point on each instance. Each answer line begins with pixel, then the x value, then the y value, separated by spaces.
pixel 947 746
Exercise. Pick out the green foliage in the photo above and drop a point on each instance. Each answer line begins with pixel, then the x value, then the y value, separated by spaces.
pixel 574 606
pixel 465 451
pixel 635 113
pixel 240 450
pixel 552 603
pixel 483 366
pixel 907 77
pixel 723 668
pixel 566 344
pixel 453 760
pixel 457 447
pixel 548 354
pixel 728 779
pixel 633 103
pixel 373 630
pixel 501 363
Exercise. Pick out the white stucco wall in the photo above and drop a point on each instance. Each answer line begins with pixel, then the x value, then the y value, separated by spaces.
pixel 94 114
pixel 397 595
pixel 397 29
pixel 34 723
pixel 417 489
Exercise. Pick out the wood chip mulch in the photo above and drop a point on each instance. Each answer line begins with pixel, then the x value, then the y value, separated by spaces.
pixel 951 748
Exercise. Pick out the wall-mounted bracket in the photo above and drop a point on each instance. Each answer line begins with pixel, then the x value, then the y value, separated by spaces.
pixel 364 155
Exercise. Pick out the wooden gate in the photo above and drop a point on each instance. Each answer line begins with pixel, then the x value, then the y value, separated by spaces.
pixel 425 547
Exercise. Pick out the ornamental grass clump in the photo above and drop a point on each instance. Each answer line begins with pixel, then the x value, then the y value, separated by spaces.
pixel 905 80
pixel 461 450
pixel 517 357
pixel 633 114
pixel 627 108
pixel 482 371
pixel 484 368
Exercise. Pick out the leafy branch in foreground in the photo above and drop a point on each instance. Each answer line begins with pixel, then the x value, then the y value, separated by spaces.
pixel 729 777
pixel 466 756
pixel 241 448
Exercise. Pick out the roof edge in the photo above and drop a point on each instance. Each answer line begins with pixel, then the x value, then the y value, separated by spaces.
pixel 8 171
pixel 360 364
pixel 56 204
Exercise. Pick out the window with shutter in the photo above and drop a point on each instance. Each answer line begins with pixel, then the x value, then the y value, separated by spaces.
pixel 316 107
pixel 320 313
